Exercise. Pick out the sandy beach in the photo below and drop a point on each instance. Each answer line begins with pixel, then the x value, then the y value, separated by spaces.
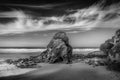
pixel 75 71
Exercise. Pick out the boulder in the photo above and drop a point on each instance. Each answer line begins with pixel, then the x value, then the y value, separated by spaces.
pixel 58 49
pixel 114 54
pixel 111 47
pixel 106 47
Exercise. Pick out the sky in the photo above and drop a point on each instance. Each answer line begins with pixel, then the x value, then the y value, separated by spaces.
pixel 33 23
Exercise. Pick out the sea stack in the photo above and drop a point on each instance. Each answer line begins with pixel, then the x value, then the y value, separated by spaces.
pixel 58 49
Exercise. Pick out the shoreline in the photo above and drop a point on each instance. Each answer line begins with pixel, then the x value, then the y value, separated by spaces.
pixel 76 71
pixel 80 69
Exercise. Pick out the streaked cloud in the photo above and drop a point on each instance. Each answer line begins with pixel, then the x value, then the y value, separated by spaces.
pixel 44 6
pixel 81 20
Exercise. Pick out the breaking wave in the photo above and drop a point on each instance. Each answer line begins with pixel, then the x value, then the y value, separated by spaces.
pixel 41 50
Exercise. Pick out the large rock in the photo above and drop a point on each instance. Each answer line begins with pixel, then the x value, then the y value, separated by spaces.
pixel 114 54
pixel 111 47
pixel 58 49
pixel 107 46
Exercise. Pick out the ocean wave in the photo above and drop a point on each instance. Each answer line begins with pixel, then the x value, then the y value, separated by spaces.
pixel 39 50
pixel 79 50
pixel 21 50
pixel 4 66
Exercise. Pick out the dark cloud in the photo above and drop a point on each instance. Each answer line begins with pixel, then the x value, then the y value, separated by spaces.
pixel 6 20
pixel 111 16
pixel 69 16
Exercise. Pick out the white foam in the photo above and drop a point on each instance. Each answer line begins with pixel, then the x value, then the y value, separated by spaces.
pixel 4 66
pixel 78 50
pixel 41 50
pixel 21 50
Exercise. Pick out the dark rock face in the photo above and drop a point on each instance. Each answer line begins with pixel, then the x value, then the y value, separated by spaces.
pixel 57 50
pixel 111 47
pixel 106 47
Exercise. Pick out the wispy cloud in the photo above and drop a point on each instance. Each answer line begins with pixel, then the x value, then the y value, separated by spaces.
pixel 12 14
pixel 80 20
pixel 44 6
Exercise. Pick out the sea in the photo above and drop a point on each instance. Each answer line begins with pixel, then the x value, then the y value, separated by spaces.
pixel 16 53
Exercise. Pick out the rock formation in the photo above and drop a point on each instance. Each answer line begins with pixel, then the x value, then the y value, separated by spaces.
pixel 111 47
pixel 57 50
pixel 106 47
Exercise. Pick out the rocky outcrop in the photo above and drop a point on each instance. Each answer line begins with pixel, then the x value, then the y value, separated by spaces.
pixel 96 54
pixel 111 47
pixel 107 46
pixel 57 50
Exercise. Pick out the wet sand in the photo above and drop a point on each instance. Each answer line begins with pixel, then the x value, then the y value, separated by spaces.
pixel 75 71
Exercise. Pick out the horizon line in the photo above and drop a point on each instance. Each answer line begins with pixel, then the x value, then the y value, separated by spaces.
pixel 45 47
